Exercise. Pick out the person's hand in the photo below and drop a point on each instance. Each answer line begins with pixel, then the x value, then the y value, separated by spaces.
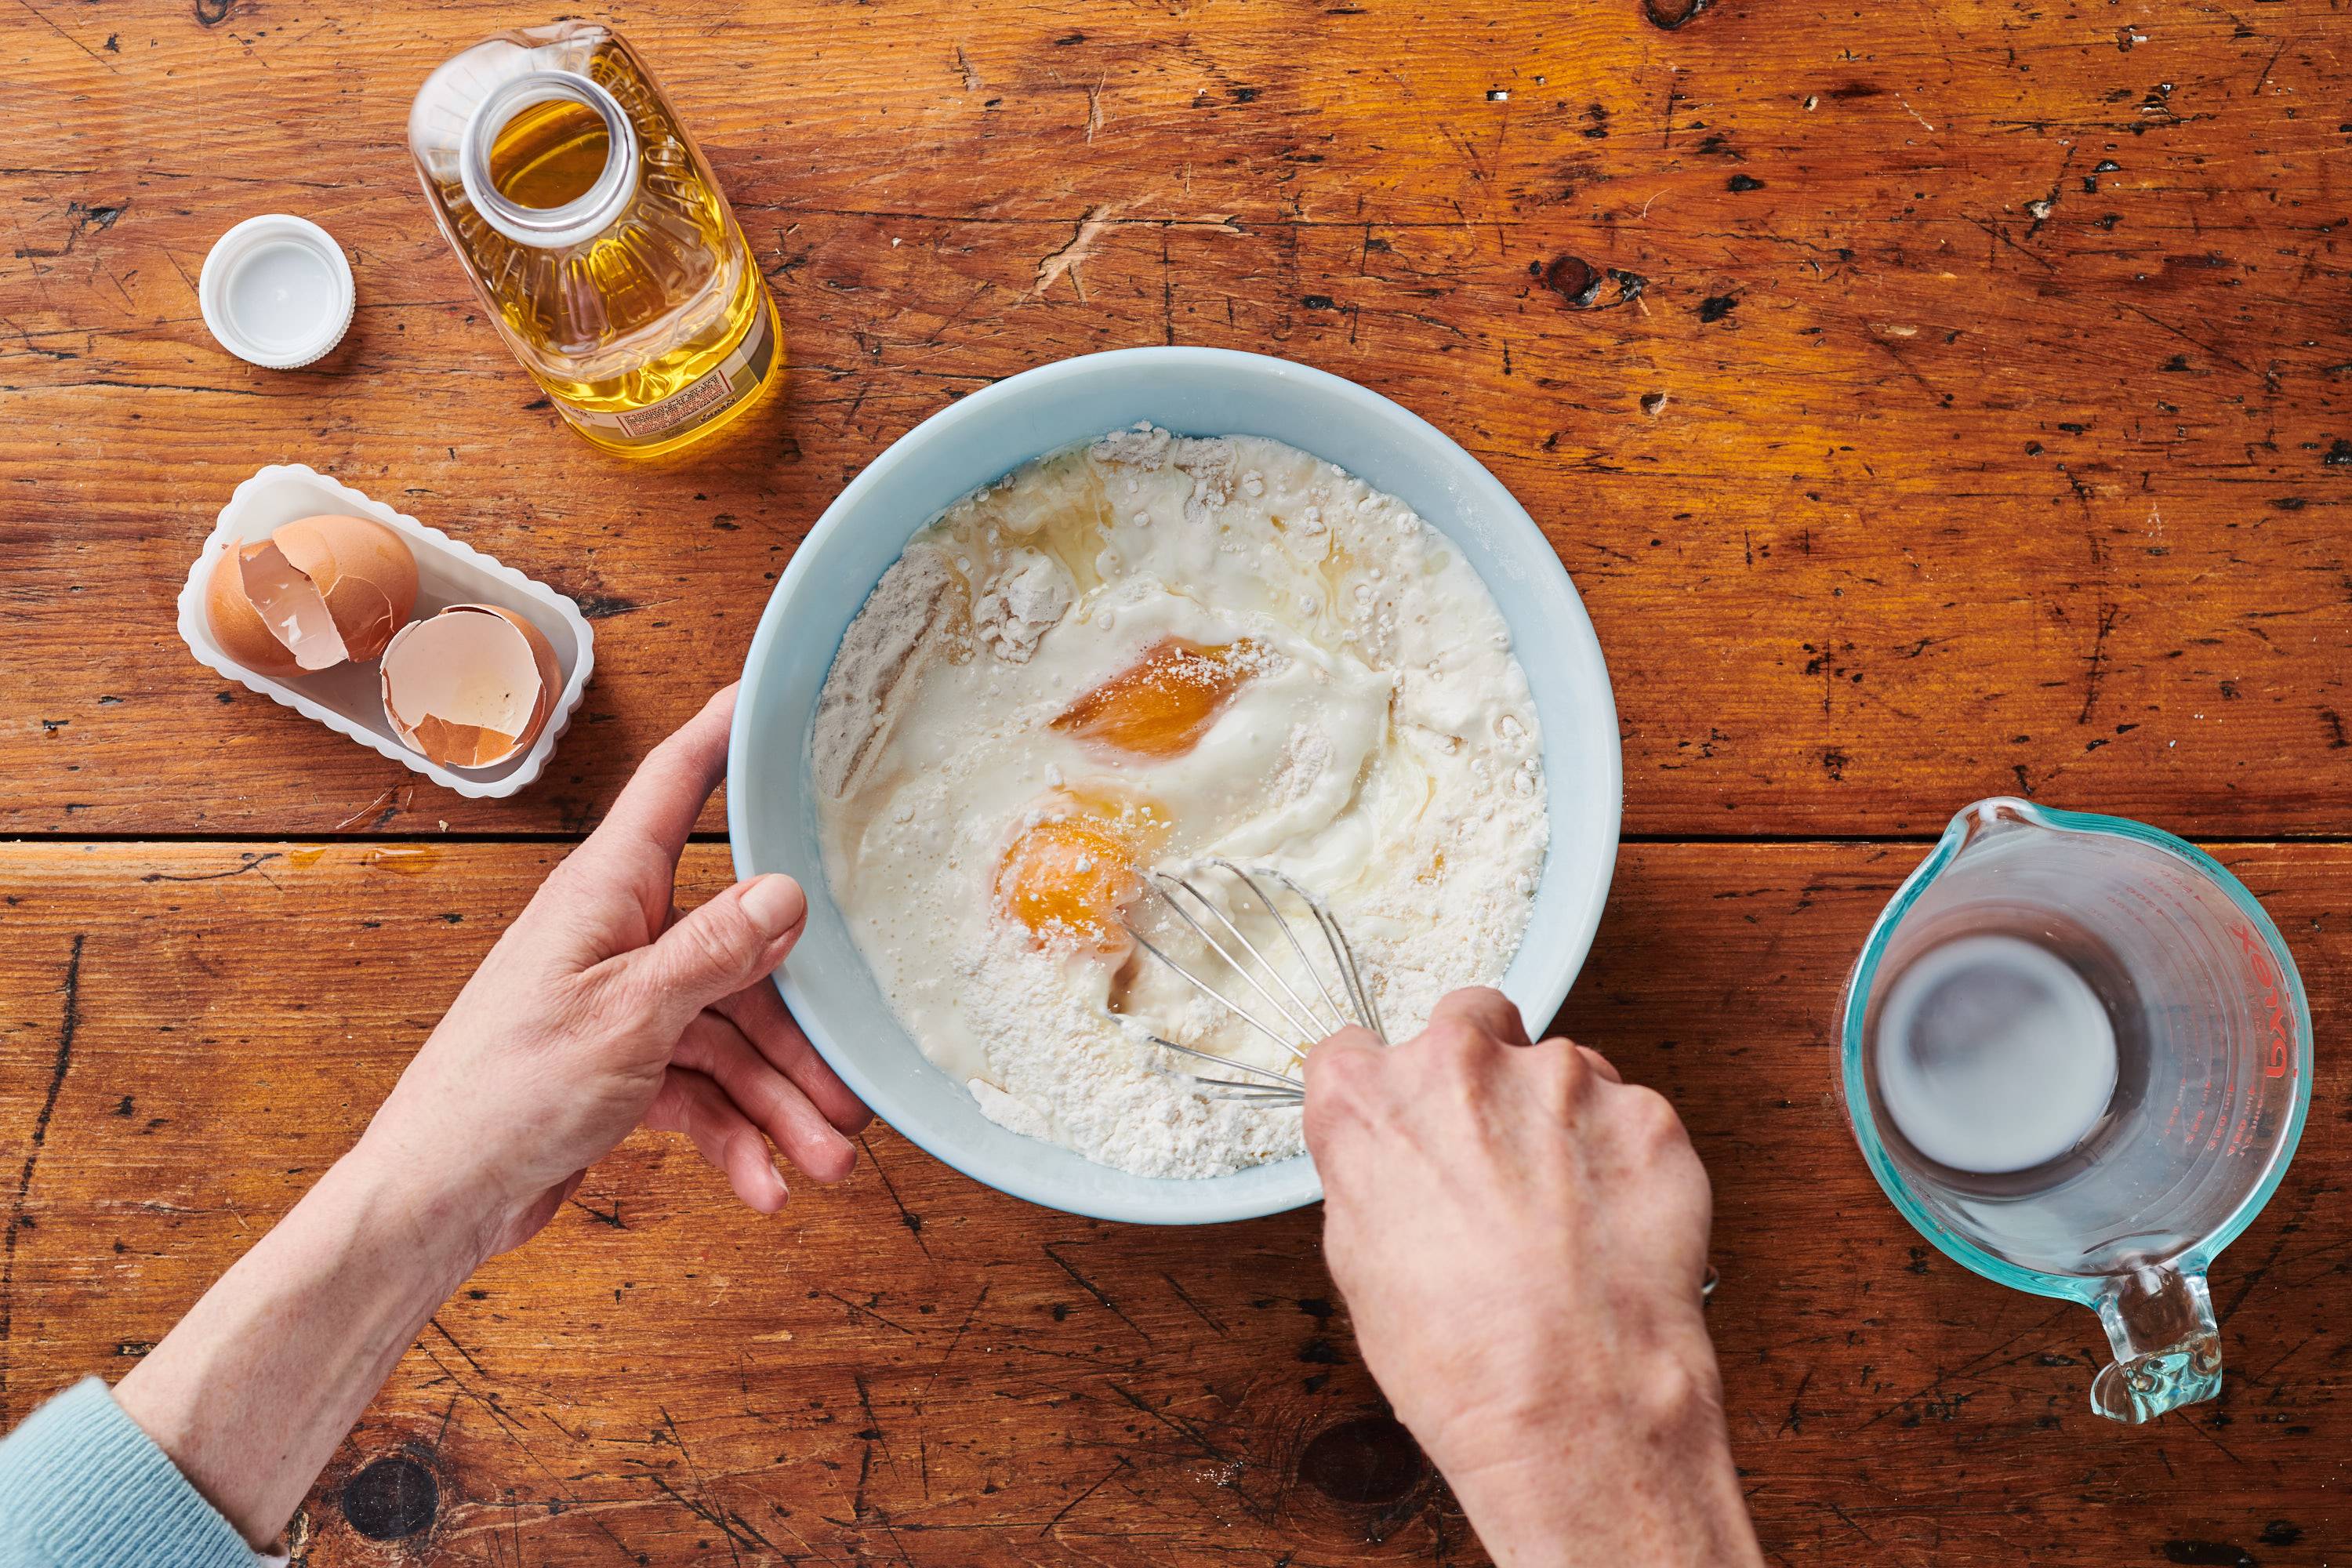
pixel 603 1008
pixel 1521 1238
pixel 600 1008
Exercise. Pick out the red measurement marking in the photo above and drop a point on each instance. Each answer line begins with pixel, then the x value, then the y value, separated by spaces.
pixel 2265 975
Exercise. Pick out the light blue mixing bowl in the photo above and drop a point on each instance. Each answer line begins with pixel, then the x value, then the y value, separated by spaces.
pixel 771 810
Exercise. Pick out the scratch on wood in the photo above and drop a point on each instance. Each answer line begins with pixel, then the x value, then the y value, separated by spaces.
pixel 460 1349
pixel 704 1509
pixel 869 1312
pixel 2192 342
pixel 1794 1422
pixel 1185 1430
pixel 1054 264
pixel 2229 1453
pixel 1935 1386
pixel 1168 295
pixel 1094 1290
pixel 725 1524
pixel 68 37
pixel 971 71
pixel 2262 80
pixel 248 861
pixel 68 1024
pixel 912 1221
pixel 1048 1528
pixel 499 1416
pixel 1191 1433
pixel 962 1329
pixel 598 1216
pixel 1198 1310
pixel 388 803
pixel 872 1432
pixel 2109 616
pixel 1852 1524
pixel 510 1430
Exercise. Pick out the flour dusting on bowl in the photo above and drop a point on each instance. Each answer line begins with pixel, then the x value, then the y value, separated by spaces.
pixel 1142 651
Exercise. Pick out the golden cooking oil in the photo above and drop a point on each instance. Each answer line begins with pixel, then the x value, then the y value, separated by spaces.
pixel 594 232
pixel 550 155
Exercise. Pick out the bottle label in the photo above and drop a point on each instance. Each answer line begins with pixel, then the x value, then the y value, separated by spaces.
pixel 711 394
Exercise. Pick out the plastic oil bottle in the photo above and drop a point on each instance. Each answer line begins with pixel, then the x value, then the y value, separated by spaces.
pixel 595 234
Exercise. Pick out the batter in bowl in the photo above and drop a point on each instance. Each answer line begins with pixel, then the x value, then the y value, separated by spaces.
pixel 1142 652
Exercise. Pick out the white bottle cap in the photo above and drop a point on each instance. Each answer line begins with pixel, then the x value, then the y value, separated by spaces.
pixel 277 290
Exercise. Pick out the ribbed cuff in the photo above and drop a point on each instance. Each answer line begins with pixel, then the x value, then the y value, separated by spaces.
pixel 82 1486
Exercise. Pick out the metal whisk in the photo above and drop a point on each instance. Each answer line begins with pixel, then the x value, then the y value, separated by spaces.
pixel 1293 1016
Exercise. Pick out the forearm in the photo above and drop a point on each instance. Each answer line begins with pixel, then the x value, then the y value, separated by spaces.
pixel 1648 1486
pixel 1665 1520
pixel 250 1393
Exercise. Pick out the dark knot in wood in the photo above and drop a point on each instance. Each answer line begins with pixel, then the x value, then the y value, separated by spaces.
pixel 1370 1462
pixel 1579 284
pixel 1574 280
pixel 389 1497
pixel 1672 14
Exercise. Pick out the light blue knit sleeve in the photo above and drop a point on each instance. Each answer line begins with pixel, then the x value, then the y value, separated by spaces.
pixel 81 1486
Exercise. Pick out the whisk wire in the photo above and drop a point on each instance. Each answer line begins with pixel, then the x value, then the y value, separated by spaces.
pixel 1161 882
pixel 1329 1002
pixel 1351 1002
pixel 1227 1002
pixel 1305 1018
pixel 1368 1012
pixel 1283 1082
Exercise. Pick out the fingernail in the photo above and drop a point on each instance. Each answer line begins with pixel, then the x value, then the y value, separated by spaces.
pixel 775 903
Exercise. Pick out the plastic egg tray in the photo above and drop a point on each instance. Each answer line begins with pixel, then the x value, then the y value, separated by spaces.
pixel 348 699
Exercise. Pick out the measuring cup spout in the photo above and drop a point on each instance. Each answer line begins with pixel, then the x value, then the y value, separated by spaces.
pixel 2167 1350
pixel 2001 816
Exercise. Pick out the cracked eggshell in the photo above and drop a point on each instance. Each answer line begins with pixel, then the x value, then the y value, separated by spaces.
pixel 363 570
pixel 236 625
pixel 470 687
pixel 359 572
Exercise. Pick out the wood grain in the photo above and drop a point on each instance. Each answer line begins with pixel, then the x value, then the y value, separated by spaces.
pixel 913 1369
pixel 1928 402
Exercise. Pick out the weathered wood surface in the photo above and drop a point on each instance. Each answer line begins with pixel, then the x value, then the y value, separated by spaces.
pixel 1928 402
pixel 1981 422
pixel 911 1369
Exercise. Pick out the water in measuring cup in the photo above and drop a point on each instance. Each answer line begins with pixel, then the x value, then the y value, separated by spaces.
pixel 1994 1055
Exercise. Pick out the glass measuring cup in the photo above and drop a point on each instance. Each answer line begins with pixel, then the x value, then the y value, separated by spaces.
pixel 2125 978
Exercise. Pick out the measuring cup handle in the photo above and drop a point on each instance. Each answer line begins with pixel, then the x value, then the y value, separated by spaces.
pixel 2168 1349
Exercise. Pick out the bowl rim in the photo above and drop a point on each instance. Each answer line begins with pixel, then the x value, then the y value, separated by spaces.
pixel 1495 502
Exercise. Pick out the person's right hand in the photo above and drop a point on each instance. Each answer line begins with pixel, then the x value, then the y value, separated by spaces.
pixel 1520 1238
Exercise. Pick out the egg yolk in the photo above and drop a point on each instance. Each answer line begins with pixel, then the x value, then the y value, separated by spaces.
pixel 1067 879
pixel 1164 703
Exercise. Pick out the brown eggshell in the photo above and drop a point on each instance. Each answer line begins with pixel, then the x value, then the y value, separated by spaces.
pixel 363 570
pixel 235 625
pixel 457 729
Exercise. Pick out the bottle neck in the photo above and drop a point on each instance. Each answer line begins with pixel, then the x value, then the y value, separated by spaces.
pixel 580 219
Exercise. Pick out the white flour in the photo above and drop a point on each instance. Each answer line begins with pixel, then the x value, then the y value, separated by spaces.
pixel 1379 745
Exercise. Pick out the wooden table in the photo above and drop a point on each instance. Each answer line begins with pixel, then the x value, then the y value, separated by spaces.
pixel 1930 402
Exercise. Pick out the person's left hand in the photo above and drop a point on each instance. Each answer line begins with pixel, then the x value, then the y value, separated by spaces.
pixel 603 1007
